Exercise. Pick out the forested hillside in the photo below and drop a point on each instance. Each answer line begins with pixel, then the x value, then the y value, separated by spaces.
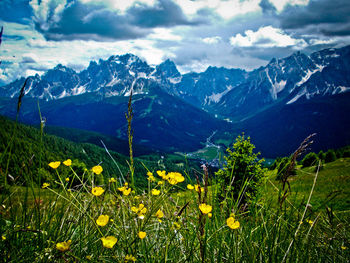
pixel 27 154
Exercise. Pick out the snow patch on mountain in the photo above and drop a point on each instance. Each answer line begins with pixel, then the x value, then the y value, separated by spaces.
pixel 309 73
pixel 298 96
pixel 113 82
pixel 79 90
pixel 276 87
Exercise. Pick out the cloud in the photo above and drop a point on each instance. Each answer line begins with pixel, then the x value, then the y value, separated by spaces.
pixel 15 11
pixel 267 7
pixel 29 58
pixel 211 40
pixel 266 37
pixel 165 13
pixel 59 20
pixel 226 9
pixel 164 34
pixel 325 17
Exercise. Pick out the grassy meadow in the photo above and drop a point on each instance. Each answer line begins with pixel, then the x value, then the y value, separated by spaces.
pixel 69 214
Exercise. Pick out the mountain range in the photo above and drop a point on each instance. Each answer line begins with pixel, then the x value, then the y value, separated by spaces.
pixel 278 105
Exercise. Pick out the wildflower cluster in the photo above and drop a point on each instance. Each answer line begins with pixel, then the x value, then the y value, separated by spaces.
pixel 125 189
pixel 172 177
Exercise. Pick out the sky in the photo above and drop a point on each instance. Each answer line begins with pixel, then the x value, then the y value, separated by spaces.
pixel 195 34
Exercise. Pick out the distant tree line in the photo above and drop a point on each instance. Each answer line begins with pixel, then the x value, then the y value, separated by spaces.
pixel 311 159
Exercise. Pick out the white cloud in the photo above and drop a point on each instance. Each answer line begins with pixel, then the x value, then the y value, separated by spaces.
pixel 120 5
pixel 266 37
pixel 31 72
pixel 211 40
pixel 226 9
pixel 232 8
pixel 164 34
pixel 47 12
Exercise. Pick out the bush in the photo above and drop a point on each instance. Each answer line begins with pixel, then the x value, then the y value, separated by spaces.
pixel 310 159
pixel 330 156
pixel 242 169
pixel 321 155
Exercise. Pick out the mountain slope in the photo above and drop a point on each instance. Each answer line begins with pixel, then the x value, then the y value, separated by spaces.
pixel 279 130
pixel 160 120
pixel 323 73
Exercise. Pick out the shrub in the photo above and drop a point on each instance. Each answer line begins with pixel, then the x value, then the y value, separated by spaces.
pixel 321 155
pixel 310 159
pixel 330 156
pixel 242 170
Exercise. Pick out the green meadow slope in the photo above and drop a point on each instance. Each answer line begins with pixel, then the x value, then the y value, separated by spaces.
pixel 332 187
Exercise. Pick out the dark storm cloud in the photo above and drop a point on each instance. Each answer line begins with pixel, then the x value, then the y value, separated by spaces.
pixel 82 21
pixel 17 11
pixel 267 7
pixel 91 21
pixel 327 17
pixel 166 13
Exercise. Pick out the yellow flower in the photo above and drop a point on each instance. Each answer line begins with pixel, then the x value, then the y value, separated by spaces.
pixel 210 215
pixel 160 182
pixel 190 187
pixel 140 211
pixel 205 209
pixel 232 223
pixel 97 191
pixel 149 174
pixel 130 258
pixel 97 169
pixel 63 246
pixel 102 220
pixel 112 180
pixel 151 178
pixel 45 185
pixel 122 189
pixel 127 191
pixel 88 257
pixel 142 235
pixel 159 214
pixel 155 192
pixel 310 222
pixel 3 238
pixel 343 247
pixel 67 179
pixel 161 174
pixel 176 225
pixel 109 241
pixel 196 187
pixel 174 178
pixel 54 165
pixel 67 162
pixel 179 178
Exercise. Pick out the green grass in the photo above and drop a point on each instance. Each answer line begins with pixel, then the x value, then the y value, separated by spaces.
pixel 32 226
pixel 34 222
pixel 332 186
pixel 207 153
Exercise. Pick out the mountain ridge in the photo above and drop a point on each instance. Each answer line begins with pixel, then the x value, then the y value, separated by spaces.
pixel 178 112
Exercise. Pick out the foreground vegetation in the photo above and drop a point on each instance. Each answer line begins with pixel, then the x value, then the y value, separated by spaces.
pixel 76 218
